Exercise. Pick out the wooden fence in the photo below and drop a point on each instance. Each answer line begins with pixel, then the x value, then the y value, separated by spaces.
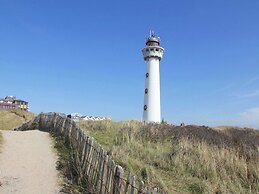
pixel 92 161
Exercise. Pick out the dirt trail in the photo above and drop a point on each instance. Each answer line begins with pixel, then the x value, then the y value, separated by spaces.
pixel 28 163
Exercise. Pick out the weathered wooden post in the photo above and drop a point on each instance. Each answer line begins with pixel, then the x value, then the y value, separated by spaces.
pixel 89 156
pixel 127 184
pixel 106 158
pixel 108 175
pixel 133 186
pixel 100 164
pixel 148 190
pixel 117 180
pixel 141 185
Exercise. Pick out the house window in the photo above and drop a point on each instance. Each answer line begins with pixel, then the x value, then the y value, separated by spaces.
pixel 156 49
pixel 145 107
pixel 146 90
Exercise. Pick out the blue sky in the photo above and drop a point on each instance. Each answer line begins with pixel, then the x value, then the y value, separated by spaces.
pixel 85 56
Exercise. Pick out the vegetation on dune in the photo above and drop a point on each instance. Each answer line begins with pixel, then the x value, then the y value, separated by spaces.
pixel 10 119
pixel 67 166
pixel 188 159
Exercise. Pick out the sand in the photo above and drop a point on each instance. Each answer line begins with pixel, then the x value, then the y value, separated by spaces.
pixel 28 163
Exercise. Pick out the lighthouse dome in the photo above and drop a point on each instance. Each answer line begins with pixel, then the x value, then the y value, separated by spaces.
pixel 153 41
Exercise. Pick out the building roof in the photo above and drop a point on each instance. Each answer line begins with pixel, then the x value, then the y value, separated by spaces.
pixel 21 101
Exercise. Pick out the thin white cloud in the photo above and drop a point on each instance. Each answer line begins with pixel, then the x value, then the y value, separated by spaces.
pixel 250 117
pixel 224 88
pixel 250 95
pixel 252 80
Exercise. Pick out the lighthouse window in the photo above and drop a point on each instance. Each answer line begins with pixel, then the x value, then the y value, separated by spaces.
pixel 146 90
pixel 147 75
pixel 145 107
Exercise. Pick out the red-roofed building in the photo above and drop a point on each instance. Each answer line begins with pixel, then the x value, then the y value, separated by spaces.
pixel 10 102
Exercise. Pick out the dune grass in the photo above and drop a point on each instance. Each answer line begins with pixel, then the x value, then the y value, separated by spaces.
pixel 189 159
pixel 10 119
pixel 66 165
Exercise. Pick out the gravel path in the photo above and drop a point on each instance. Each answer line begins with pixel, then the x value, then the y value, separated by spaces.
pixel 28 163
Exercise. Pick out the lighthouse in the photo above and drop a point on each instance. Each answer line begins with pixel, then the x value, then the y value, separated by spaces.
pixel 152 53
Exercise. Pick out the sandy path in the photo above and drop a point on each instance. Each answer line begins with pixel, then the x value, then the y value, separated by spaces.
pixel 27 163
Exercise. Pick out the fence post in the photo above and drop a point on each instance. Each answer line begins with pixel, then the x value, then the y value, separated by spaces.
pixel 140 190
pixel 99 173
pixel 106 158
pixel 133 186
pixel 84 159
pixel 117 180
pixel 113 170
pixel 108 175
pixel 127 184
pixel 148 190
pixel 89 156
pixel 63 126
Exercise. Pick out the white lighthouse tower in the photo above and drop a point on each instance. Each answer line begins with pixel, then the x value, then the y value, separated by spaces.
pixel 152 53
